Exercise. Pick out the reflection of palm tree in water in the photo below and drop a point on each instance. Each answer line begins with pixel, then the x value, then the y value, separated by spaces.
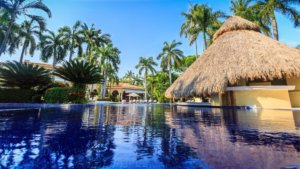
pixel 25 126
pixel 64 140
pixel 173 151
pixel 145 141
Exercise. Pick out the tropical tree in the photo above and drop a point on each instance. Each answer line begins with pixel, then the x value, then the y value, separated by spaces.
pixel 24 76
pixel 159 84
pixel 129 75
pixel 52 46
pixel 17 8
pixel 244 9
pixel 199 19
pixel 113 78
pixel 268 8
pixel 170 57
pixel 93 39
pixel 146 65
pixel 80 73
pixel 73 36
pixel 189 27
pixel 109 61
pixel 30 30
pixel 137 80
pixel 186 62
pixel 14 39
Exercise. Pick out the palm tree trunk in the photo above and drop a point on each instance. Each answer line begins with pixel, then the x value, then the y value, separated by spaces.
pixel 275 27
pixel 196 46
pixel 71 55
pixel 22 54
pixel 170 77
pixel 170 74
pixel 104 86
pixel 146 95
pixel 53 68
pixel 110 86
pixel 5 40
pixel 204 40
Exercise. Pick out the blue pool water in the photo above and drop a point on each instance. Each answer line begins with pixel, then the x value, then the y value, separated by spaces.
pixel 141 136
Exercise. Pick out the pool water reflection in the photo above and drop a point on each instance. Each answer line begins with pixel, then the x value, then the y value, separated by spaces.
pixel 140 136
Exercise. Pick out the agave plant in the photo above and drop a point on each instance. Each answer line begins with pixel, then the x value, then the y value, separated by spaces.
pixel 79 73
pixel 23 75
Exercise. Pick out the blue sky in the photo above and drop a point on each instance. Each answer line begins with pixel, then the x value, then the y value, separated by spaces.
pixel 139 27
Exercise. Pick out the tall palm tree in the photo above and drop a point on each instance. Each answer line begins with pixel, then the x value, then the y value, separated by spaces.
pixel 30 30
pixel 146 65
pixel 189 27
pixel 267 10
pixel 113 78
pixel 93 38
pixel 53 46
pixel 244 9
pixel 199 19
pixel 170 56
pixel 14 39
pixel 73 36
pixel 109 61
pixel 17 8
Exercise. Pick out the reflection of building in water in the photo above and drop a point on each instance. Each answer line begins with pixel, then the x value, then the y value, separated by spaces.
pixel 126 115
pixel 297 119
pixel 236 139
pixel 267 120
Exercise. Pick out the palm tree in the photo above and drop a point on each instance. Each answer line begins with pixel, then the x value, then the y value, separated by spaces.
pixel 170 56
pixel 244 9
pixel 189 27
pixel 93 38
pixel 79 73
pixel 29 32
pixel 267 10
pixel 145 65
pixel 53 46
pixel 129 75
pixel 24 76
pixel 14 39
pixel 198 19
pixel 73 37
pixel 109 61
pixel 112 78
pixel 17 8
pixel 137 80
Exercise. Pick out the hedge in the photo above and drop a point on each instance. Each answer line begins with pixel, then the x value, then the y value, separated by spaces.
pixel 64 95
pixel 17 95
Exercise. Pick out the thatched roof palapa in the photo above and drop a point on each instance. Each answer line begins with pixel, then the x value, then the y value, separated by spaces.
pixel 239 51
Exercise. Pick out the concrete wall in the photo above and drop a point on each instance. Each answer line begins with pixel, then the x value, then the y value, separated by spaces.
pixel 294 95
pixel 264 99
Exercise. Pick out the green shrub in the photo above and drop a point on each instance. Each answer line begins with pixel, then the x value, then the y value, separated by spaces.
pixel 23 75
pixel 17 95
pixel 76 95
pixel 163 100
pixel 64 95
pixel 56 95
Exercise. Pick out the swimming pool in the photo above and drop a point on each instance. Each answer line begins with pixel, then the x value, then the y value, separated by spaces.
pixel 149 136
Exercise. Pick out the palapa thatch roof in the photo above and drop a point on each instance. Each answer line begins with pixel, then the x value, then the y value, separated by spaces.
pixel 239 51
